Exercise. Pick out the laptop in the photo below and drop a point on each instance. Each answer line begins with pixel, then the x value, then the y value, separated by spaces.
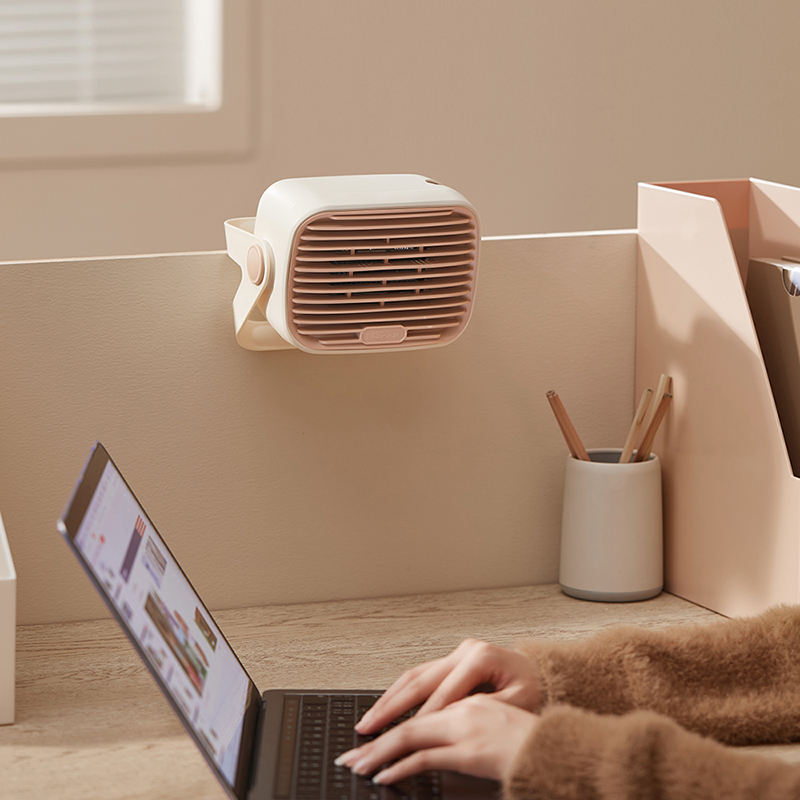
pixel 279 745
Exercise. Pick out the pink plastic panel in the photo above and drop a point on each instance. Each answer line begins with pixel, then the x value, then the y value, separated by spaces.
pixel 383 278
pixel 731 503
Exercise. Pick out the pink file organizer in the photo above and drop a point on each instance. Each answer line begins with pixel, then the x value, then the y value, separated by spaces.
pixel 731 501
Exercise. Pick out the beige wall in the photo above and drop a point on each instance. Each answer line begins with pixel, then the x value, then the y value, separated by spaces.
pixel 544 113
pixel 288 477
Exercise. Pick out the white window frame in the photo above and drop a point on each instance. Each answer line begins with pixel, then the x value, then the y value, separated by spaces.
pixel 178 133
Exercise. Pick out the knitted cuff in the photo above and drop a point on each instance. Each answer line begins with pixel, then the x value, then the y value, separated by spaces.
pixel 559 759
pixel 573 754
pixel 580 674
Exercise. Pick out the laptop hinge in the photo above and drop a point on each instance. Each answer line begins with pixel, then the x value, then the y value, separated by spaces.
pixel 256 750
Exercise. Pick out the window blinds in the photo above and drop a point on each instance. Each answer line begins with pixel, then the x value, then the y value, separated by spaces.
pixel 93 55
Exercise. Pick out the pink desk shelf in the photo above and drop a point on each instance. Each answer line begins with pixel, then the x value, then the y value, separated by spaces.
pixel 731 501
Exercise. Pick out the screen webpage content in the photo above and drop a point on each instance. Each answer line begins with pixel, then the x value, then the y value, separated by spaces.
pixel 182 643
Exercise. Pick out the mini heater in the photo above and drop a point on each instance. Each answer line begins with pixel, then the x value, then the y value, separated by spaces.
pixel 359 263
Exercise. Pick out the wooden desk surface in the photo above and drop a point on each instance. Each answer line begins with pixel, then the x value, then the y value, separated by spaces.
pixel 91 722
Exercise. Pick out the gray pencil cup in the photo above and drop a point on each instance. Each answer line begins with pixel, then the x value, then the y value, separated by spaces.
pixel 611 528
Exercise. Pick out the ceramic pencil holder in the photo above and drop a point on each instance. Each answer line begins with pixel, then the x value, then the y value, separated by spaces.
pixel 611 528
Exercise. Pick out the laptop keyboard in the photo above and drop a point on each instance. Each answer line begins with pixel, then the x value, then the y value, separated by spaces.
pixel 316 730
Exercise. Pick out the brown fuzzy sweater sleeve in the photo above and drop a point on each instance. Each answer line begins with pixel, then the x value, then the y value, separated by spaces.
pixel 735 680
pixel 576 755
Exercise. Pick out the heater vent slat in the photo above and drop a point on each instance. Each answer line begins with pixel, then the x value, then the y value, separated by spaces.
pixel 416 305
pixel 360 267
pixel 388 244
pixel 379 297
pixel 374 226
pixel 401 284
pixel 386 254
pixel 377 274
pixel 382 277
pixel 367 317
pixel 350 328
pixel 397 233
pixel 410 215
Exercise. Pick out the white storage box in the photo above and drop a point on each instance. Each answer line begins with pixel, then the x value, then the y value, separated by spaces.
pixel 8 629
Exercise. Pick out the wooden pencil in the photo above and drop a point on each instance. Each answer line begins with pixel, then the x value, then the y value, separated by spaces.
pixel 643 453
pixel 636 426
pixel 662 389
pixel 574 443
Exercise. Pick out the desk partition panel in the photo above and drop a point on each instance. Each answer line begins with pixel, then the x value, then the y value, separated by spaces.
pixel 289 477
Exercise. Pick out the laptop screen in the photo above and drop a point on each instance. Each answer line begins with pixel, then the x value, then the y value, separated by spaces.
pixel 168 623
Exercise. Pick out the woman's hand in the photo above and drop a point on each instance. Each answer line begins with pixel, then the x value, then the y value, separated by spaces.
pixel 476 736
pixel 438 683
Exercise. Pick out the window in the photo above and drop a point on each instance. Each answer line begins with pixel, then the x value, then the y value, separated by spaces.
pixel 105 78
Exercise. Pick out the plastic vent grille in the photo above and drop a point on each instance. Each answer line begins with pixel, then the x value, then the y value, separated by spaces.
pixel 382 277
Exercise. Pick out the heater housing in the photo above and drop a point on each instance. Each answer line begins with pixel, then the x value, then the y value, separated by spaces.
pixel 358 263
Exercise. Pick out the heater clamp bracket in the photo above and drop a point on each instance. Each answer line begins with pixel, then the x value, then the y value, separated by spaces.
pixel 254 255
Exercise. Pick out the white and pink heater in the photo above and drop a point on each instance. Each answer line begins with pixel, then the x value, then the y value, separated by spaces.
pixel 355 264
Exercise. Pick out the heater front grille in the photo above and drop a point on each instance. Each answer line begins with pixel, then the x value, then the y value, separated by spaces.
pixel 383 277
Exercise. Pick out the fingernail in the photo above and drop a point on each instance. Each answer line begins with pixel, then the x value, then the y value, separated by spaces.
pixel 360 767
pixel 380 777
pixel 363 721
pixel 344 758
